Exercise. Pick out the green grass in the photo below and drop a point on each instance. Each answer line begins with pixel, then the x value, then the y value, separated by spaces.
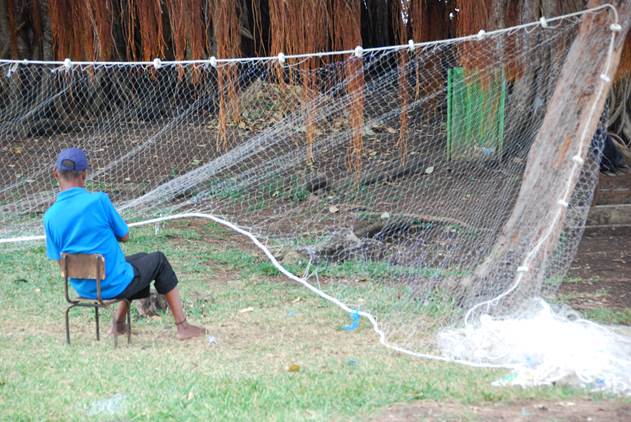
pixel 263 324
pixel 377 270
pixel 609 316
pixel 278 188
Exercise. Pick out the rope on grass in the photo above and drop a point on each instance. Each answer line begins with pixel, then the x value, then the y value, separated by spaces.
pixel 355 313
pixel 577 163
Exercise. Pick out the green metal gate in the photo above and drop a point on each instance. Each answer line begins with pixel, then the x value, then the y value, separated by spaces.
pixel 475 114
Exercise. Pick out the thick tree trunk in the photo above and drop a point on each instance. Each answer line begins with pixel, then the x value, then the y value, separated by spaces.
pixel 377 24
pixel 572 111
pixel 524 89
pixel 5 44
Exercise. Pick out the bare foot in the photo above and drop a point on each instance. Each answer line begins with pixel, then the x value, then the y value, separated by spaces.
pixel 118 329
pixel 187 331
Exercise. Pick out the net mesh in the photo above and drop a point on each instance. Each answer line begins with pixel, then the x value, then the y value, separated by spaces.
pixel 392 170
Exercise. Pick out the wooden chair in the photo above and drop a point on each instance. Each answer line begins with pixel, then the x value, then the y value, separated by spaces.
pixel 90 267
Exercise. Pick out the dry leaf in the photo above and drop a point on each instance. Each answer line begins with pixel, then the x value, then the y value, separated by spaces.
pixel 294 367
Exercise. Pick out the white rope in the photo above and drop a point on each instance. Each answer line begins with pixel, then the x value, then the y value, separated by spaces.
pixel 382 337
pixel 373 321
pixel 210 61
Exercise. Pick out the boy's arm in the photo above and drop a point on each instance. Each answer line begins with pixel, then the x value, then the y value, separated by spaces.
pixel 117 224
pixel 52 251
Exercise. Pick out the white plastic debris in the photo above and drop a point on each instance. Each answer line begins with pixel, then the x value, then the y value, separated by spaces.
pixel 109 406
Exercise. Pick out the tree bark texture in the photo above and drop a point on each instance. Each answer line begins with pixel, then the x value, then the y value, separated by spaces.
pixel 569 114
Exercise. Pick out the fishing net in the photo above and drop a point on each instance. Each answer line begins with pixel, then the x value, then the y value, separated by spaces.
pixel 395 182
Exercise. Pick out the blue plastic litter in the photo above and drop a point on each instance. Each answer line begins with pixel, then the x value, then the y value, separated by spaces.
pixel 354 322
pixel 509 377
pixel 292 313
pixel 352 362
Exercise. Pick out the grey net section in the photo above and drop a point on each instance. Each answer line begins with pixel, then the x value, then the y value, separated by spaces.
pixel 393 172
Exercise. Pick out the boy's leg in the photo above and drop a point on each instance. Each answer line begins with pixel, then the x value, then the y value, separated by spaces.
pixel 184 329
pixel 134 291
pixel 155 266
pixel 119 326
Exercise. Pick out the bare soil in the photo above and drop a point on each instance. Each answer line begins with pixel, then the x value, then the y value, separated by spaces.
pixel 577 410
pixel 601 270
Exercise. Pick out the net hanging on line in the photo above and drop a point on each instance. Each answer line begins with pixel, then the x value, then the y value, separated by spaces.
pixel 395 169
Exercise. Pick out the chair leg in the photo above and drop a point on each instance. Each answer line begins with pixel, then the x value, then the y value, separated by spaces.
pixel 96 316
pixel 68 324
pixel 128 321
pixel 113 325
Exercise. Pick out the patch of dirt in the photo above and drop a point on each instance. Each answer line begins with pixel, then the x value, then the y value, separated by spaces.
pixel 601 271
pixel 578 410
pixel 219 236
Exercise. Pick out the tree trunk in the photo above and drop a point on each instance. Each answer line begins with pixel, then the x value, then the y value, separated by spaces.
pixel 5 44
pixel 569 114
pixel 377 24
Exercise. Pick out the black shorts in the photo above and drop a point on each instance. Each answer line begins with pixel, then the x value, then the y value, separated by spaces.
pixel 149 267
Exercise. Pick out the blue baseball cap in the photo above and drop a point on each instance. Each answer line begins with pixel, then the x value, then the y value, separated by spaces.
pixel 72 159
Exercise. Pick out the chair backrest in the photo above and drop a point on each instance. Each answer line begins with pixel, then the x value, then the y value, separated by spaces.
pixel 83 266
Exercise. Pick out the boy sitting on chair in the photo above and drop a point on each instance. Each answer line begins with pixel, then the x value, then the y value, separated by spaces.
pixel 82 222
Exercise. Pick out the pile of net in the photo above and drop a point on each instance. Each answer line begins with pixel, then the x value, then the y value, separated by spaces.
pixel 398 174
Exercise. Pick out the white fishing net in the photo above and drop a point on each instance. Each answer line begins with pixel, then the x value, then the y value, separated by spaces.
pixel 388 177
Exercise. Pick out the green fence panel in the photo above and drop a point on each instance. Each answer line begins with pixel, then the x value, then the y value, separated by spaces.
pixel 475 114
